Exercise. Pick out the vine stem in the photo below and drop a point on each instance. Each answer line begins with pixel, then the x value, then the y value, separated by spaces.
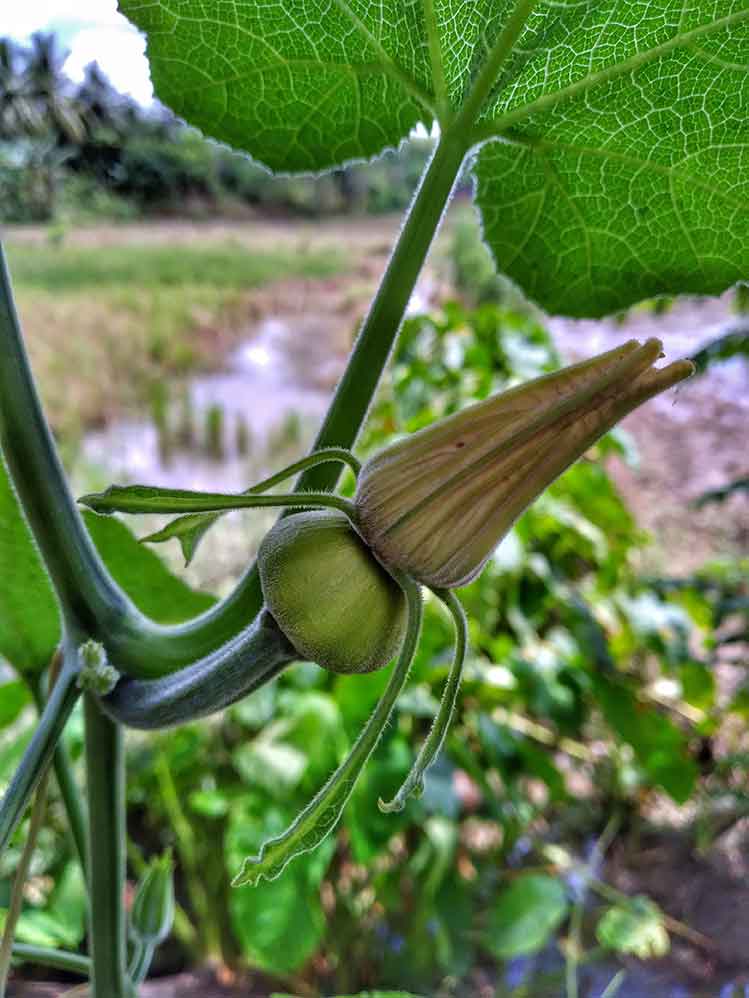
pixel 56 959
pixel 75 810
pixel 105 769
pixel 42 746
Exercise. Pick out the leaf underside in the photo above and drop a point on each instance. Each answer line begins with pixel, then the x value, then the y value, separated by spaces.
pixel 622 169
pixel 633 179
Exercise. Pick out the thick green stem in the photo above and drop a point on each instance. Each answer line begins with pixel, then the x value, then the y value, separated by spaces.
pixel 80 580
pixel 41 748
pixel 105 769
pixel 249 660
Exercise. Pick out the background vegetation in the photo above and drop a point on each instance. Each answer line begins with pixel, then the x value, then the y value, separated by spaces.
pixel 70 152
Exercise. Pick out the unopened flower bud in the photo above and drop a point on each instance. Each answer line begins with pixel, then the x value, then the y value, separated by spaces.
pixel 152 913
pixel 436 504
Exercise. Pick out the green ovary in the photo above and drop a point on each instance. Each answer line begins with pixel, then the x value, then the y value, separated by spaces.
pixel 334 601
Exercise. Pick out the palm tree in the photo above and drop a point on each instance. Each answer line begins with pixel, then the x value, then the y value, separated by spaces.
pixel 18 113
pixel 50 90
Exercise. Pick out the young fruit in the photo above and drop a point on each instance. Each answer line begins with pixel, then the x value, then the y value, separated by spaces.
pixel 329 595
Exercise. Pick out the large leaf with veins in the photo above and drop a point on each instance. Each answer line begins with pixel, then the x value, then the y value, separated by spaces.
pixel 624 168
pixel 623 125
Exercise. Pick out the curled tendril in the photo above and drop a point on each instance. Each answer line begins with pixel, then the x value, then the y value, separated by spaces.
pixel 413 785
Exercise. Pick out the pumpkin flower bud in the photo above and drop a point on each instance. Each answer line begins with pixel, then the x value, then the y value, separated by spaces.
pixel 152 913
pixel 436 504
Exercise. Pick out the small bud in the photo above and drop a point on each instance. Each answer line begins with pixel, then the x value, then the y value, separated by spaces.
pixel 152 914
pixel 436 504
pixel 96 675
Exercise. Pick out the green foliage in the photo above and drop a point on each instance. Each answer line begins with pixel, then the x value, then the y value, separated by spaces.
pixel 602 134
pixel 218 267
pixel 636 928
pixel 525 915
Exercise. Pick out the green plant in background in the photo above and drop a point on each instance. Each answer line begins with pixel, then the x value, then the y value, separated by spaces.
pixel 566 197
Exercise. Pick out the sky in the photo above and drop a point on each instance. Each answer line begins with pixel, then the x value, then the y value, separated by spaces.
pixel 91 31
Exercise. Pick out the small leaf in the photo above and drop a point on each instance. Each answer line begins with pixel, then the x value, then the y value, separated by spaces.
pixel 525 916
pixel 189 530
pixel 636 928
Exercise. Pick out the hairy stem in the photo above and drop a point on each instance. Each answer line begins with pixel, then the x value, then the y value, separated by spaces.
pixel 105 770
pixel 414 782
pixel 75 809
pixel 249 660
pixel 144 499
pixel 42 746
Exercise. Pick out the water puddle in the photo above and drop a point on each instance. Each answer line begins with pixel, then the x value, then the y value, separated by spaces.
pixel 202 434
pixel 207 432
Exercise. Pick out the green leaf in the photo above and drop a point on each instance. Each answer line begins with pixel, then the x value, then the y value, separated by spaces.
pixel 143 575
pixel 279 924
pixel 29 617
pixel 189 530
pixel 301 85
pixel 525 916
pixel 659 746
pixel 636 928
pixel 13 698
pixel 622 174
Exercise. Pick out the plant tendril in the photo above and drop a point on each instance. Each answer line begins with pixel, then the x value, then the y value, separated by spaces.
pixel 413 785
pixel 320 816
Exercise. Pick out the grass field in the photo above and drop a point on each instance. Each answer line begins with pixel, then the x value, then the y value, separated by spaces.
pixel 103 322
